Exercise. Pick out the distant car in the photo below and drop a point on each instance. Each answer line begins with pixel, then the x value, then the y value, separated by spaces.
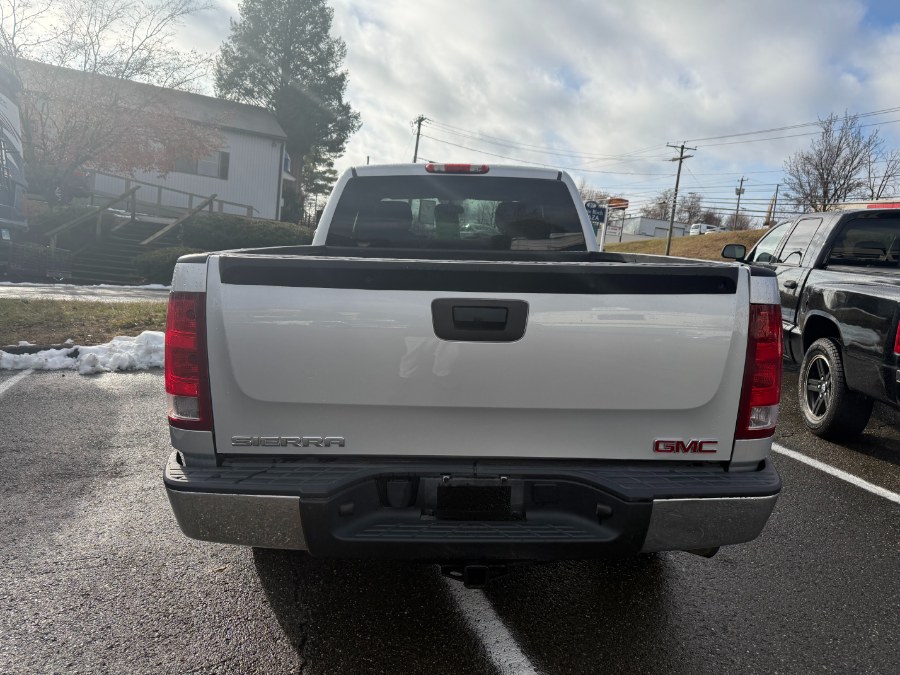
pixel 703 228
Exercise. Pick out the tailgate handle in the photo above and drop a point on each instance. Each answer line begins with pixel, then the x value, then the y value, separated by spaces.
pixel 468 320
pixel 480 318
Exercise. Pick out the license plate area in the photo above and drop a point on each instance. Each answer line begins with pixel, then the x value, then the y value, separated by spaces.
pixel 476 502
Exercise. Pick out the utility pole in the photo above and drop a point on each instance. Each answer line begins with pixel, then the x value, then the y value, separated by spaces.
pixel 681 157
pixel 775 203
pixel 738 191
pixel 418 122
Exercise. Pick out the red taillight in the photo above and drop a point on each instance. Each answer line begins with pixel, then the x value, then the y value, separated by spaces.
pixel 762 374
pixel 187 371
pixel 897 340
pixel 457 168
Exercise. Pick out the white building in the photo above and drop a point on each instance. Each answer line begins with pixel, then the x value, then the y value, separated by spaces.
pixel 651 227
pixel 246 173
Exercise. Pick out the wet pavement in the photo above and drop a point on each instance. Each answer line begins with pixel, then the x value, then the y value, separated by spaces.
pixel 96 577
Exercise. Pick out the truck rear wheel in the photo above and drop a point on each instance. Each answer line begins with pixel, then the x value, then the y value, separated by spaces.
pixel 829 408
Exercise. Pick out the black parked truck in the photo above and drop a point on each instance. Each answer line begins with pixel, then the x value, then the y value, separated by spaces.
pixel 839 279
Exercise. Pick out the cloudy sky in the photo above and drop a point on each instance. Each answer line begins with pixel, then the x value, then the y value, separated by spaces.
pixel 601 86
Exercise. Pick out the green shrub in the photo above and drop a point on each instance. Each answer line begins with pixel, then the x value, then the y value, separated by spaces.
pixel 157 266
pixel 219 231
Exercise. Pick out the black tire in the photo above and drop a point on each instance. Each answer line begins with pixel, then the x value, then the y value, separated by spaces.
pixel 830 410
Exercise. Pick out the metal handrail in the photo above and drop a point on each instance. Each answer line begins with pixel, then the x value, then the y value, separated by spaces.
pixel 168 228
pixel 93 213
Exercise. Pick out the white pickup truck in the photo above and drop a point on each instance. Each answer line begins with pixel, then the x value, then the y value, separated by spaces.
pixel 452 372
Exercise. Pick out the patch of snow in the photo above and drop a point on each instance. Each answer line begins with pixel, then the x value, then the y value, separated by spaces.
pixel 145 351
pixel 49 359
pixel 25 343
pixel 146 287
pixel 70 341
pixel 28 283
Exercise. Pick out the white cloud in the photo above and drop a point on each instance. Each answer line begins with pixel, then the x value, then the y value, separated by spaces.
pixel 606 77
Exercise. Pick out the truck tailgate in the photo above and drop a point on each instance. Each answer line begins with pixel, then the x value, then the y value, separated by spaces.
pixel 613 358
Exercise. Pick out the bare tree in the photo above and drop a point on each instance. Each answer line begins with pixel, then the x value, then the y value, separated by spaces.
pixel 79 104
pixel 740 221
pixel 128 39
pixel 834 168
pixel 660 207
pixel 132 40
pixel 589 193
pixel 83 120
pixel 710 217
pixel 881 173
pixel 26 26
pixel 689 208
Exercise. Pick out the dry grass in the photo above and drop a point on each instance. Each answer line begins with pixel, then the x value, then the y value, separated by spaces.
pixel 87 323
pixel 707 246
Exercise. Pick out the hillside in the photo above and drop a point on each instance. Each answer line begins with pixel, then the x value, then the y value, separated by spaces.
pixel 707 246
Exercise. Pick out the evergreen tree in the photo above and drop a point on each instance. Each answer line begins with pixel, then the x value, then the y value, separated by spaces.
pixel 281 55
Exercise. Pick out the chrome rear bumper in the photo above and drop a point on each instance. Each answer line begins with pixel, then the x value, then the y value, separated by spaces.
pixel 266 521
pixel 588 515
pixel 687 524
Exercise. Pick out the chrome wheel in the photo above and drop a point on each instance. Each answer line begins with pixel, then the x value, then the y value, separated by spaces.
pixel 819 387
pixel 828 406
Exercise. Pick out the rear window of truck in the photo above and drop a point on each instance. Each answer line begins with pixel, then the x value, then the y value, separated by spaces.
pixel 456 212
pixel 867 242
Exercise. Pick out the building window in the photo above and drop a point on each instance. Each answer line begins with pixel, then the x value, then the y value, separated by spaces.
pixel 286 164
pixel 214 165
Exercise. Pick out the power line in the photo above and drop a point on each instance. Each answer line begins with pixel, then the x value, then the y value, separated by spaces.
pixel 536 149
pixel 808 133
pixel 800 125
pixel 550 150
pixel 554 166
pixel 630 156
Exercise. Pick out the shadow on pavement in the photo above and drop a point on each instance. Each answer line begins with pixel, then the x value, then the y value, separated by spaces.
pixel 593 616
pixel 367 616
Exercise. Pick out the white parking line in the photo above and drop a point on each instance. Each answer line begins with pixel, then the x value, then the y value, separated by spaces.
pixel 11 382
pixel 838 473
pixel 498 642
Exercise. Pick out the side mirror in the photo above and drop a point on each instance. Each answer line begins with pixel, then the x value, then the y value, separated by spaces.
pixel 734 251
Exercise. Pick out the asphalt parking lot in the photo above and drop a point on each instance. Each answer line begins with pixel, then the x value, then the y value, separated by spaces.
pixel 96 577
